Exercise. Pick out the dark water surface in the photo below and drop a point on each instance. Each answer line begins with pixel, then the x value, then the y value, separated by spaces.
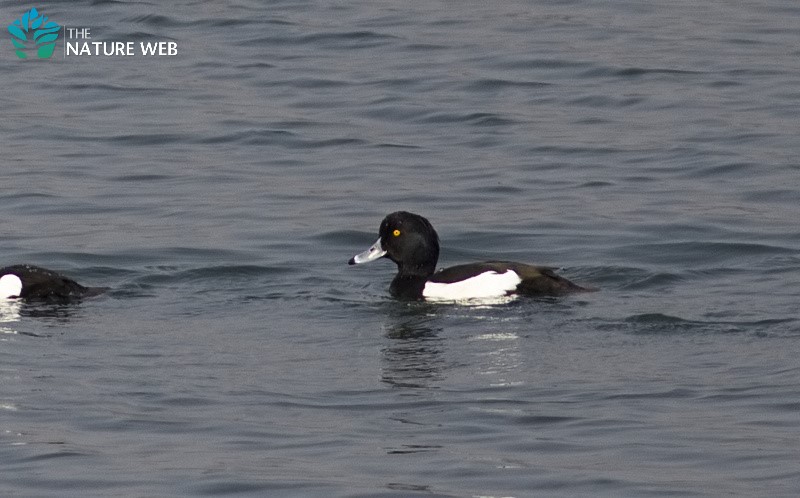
pixel 649 150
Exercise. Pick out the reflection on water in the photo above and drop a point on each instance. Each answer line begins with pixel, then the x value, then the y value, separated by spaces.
pixel 500 359
pixel 13 310
pixel 9 314
pixel 413 357
pixel 57 312
pixel 420 339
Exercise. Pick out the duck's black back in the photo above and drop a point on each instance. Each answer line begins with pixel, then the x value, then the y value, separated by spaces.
pixel 41 283
pixel 536 280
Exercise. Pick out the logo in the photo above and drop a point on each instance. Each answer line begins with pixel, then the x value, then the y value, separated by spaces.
pixel 34 31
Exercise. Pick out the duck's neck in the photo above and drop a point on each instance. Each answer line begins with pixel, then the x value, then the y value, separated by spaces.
pixel 410 280
pixel 407 287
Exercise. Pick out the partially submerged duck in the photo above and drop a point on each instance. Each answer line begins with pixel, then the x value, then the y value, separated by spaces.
pixel 31 282
pixel 410 241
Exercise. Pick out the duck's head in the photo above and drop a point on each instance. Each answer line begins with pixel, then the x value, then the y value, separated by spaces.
pixel 407 239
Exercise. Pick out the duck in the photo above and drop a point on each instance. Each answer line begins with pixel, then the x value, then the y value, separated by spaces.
pixel 34 283
pixel 410 241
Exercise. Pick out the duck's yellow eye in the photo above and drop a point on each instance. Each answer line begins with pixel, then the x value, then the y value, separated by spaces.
pixel 396 232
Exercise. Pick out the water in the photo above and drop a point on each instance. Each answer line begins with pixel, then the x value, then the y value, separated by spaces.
pixel 649 150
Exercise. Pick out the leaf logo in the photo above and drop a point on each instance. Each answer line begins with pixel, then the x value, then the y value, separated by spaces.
pixel 34 30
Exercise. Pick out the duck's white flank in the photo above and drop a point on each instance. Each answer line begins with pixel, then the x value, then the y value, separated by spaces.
pixel 487 284
pixel 10 286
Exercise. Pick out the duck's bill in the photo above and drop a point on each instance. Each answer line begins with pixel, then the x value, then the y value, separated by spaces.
pixel 374 252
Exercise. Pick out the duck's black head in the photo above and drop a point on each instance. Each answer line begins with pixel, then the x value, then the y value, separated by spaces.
pixel 409 240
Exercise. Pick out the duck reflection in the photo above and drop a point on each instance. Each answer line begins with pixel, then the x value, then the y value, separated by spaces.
pixel 499 359
pixel 13 310
pixel 413 355
pixel 9 314
pixel 419 351
pixel 57 312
